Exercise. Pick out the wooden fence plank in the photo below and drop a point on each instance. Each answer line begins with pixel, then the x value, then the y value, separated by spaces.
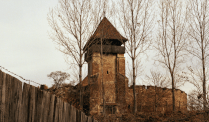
pixel 13 99
pixel 38 104
pixel 60 110
pixel 46 106
pixel 69 113
pixel 18 100
pixel 73 114
pixel 78 115
pixel 41 96
pixel 41 107
pixel 65 112
pixel 25 101
pixel 7 100
pixel 56 114
pixel 1 82
pixel 84 118
pixel 2 95
pixel 32 104
pixel 51 108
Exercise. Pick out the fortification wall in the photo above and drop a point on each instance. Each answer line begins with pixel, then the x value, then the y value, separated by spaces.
pixel 151 98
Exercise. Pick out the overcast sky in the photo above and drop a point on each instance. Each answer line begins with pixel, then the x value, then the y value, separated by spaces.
pixel 25 47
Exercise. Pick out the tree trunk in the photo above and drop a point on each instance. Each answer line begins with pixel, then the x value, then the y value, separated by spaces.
pixel 81 88
pixel 173 91
pixel 134 89
pixel 155 104
pixel 204 82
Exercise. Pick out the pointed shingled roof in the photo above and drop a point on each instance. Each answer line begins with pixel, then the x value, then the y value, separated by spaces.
pixel 105 30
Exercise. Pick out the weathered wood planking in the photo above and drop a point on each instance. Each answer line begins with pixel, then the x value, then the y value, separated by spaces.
pixel 69 113
pixel 84 118
pixel 2 95
pixel 18 100
pixel 13 99
pixel 7 100
pixel 51 108
pixel 73 114
pixel 32 104
pixel 78 115
pixel 60 110
pixel 1 82
pixel 65 112
pixel 46 106
pixel 25 101
pixel 56 114
pixel 40 105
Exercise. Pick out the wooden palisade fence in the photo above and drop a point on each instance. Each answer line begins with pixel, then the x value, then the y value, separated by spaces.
pixel 30 104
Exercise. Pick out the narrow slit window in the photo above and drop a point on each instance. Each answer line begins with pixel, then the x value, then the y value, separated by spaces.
pixel 107 72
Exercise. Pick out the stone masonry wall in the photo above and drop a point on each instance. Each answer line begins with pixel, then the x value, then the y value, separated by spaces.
pixel 95 89
pixel 150 98
pixel 109 79
pixel 121 91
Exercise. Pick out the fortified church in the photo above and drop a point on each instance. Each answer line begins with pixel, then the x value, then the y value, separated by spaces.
pixel 118 96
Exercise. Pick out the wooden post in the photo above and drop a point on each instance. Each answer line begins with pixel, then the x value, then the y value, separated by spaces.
pixel 56 110
pixel 45 106
pixel 32 103
pixel 2 95
pixel 25 101
pixel 84 118
pixel 18 100
pixel 51 108
pixel 73 114
pixel 7 98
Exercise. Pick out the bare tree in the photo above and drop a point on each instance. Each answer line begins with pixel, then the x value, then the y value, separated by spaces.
pixel 158 79
pixel 136 21
pixel 59 77
pixel 171 38
pixel 196 78
pixel 199 41
pixel 195 100
pixel 72 23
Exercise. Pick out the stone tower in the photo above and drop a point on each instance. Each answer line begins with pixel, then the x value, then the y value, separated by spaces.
pixel 114 81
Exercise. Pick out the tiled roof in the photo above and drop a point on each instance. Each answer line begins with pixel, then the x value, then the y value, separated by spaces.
pixel 105 30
